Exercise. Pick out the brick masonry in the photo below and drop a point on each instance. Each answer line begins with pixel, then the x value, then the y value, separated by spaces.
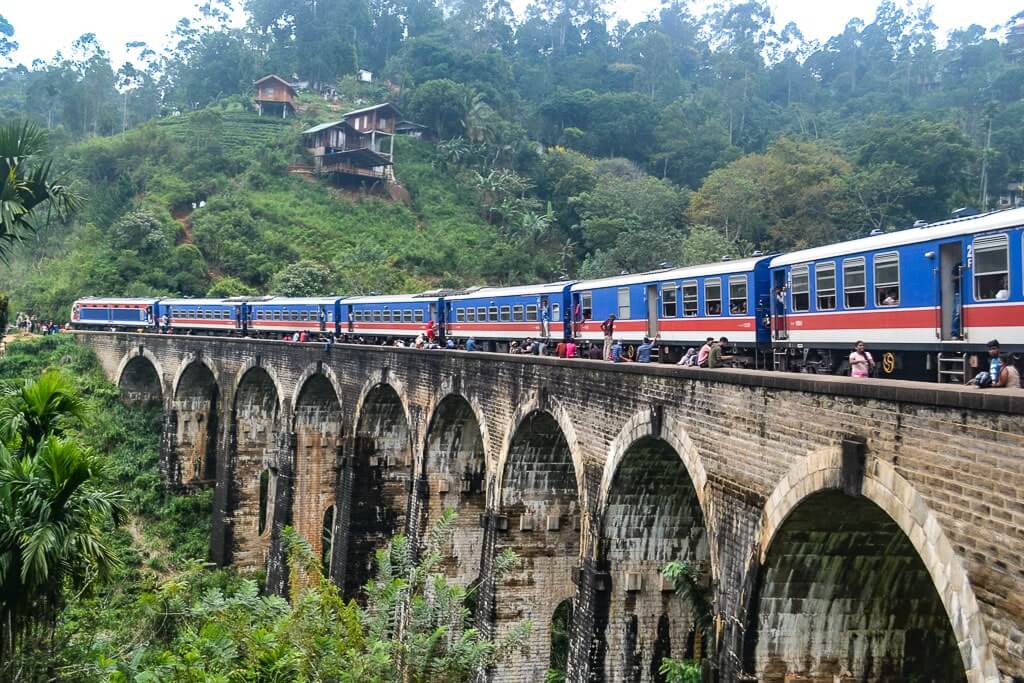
pixel 785 491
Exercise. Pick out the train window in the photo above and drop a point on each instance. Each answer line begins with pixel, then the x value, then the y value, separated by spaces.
pixel 801 288
pixel 887 279
pixel 690 299
pixel 713 297
pixel 587 305
pixel 471 315
pixel 492 313
pixel 386 315
pixel 738 295
pixel 460 315
pixel 295 315
pixel 417 315
pixel 517 313
pixel 825 285
pixel 531 312
pixel 376 316
pixel 853 283
pixel 506 314
pixel 669 303
pixel 991 268
pixel 623 304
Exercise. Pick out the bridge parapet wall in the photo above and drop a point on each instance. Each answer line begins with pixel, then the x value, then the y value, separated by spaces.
pixel 945 465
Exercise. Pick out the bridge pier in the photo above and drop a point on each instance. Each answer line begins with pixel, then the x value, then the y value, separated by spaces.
pixel 597 475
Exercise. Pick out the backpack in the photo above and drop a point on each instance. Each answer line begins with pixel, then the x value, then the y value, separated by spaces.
pixel 983 379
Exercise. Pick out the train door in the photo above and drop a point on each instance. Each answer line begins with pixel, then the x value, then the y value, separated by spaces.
pixel 780 326
pixel 652 311
pixel 950 290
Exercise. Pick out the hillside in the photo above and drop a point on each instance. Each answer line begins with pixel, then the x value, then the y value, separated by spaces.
pixel 138 234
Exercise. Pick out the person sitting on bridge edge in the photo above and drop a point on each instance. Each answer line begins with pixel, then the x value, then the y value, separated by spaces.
pixel 449 344
pixel 715 357
pixel 570 348
pixel 705 351
pixel 608 328
pixel 690 358
pixel 471 344
pixel 616 352
pixel 594 351
pixel 643 352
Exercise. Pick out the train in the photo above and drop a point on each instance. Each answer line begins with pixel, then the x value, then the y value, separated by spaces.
pixel 925 300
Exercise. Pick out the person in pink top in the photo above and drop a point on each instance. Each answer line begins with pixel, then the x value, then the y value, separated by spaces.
pixel 861 362
pixel 570 349
pixel 705 351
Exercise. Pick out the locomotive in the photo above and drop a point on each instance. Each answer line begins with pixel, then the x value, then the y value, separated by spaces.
pixel 925 300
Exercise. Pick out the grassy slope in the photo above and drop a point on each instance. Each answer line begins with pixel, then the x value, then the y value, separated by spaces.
pixel 257 220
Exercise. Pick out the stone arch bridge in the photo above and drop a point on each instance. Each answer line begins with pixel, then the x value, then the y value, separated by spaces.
pixel 836 530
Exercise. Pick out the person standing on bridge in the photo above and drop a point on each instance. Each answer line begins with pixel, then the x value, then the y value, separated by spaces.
pixel 608 328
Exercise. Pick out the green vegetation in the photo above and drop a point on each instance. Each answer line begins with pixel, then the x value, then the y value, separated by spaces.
pixel 566 147
pixel 100 585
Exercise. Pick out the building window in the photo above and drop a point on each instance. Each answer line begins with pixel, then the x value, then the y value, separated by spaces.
pixel 713 297
pixel 623 312
pixel 801 288
pixel 887 280
pixel 268 91
pixel 587 305
pixel 854 286
pixel 992 268
pixel 825 286
pixel 531 312
pixel 517 313
pixel 738 295
pixel 690 299
pixel 506 314
pixel 669 305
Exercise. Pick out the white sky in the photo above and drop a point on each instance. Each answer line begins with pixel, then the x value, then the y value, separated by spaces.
pixel 44 26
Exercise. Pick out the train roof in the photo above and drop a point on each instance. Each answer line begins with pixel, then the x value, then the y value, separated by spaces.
pixel 996 220
pixel 718 268
pixel 116 300
pixel 389 299
pixel 193 302
pixel 311 300
pixel 519 290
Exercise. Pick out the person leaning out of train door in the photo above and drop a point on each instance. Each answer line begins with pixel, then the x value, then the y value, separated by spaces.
pixel 861 362
pixel 608 328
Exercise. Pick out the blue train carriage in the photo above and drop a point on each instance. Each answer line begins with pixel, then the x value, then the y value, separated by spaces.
pixel 114 312
pixel 276 316
pixel 381 317
pixel 682 307
pixel 924 300
pixel 206 316
pixel 495 316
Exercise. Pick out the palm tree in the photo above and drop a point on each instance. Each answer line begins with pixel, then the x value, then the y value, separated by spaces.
pixel 28 184
pixel 35 409
pixel 52 516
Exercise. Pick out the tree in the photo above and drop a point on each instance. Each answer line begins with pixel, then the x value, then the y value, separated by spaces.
pixel 7 45
pixel 443 104
pixel 229 286
pixel 30 188
pixel 304 278
pixel 52 516
pixel 876 197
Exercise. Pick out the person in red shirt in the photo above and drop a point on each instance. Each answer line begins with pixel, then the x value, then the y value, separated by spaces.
pixel 430 331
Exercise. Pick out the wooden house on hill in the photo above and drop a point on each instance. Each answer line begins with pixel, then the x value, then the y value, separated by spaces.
pixel 360 145
pixel 275 96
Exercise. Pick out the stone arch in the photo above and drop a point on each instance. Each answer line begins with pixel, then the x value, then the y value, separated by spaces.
pixel 189 360
pixel 539 502
pixel 256 427
pixel 651 513
pixel 267 369
pixel 454 476
pixel 195 410
pixel 140 377
pixel 378 487
pixel 918 563
pixel 322 369
pixel 317 429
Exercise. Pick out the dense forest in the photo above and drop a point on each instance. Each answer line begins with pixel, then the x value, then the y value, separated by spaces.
pixel 565 145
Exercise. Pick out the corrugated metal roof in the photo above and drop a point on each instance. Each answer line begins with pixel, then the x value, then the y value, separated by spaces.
pixel 322 126
pixel 376 106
